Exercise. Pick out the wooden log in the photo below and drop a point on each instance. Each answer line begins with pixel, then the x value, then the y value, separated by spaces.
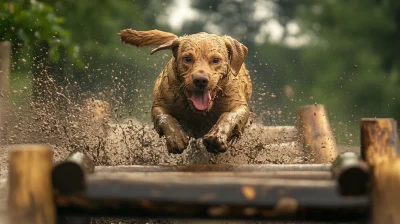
pixel 5 58
pixel 351 173
pixel 292 175
pixel 30 198
pixel 215 197
pixel 69 176
pixel 216 168
pixel 315 129
pixel 379 146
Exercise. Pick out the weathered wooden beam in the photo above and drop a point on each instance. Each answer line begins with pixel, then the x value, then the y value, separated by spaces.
pixel 315 129
pixel 69 176
pixel 215 168
pixel 216 197
pixel 30 198
pixel 379 146
pixel 351 173
pixel 5 58
pixel 293 175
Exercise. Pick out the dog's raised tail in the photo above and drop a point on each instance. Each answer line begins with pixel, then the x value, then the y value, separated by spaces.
pixel 146 38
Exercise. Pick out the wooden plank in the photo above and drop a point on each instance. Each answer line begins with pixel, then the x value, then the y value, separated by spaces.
pixel 67 182
pixel 351 173
pixel 379 145
pixel 193 188
pixel 215 168
pixel 69 176
pixel 30 198
pixel 5 58
pixel 315 129
pixel 124 194
pixel 294 175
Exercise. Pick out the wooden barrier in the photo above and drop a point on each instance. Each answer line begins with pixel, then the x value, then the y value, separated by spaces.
pixel 379 145
pixel 318 140
pixel 334 192
pixel 216 197
pixel 5 58
pixel 268 191
pixel 30 198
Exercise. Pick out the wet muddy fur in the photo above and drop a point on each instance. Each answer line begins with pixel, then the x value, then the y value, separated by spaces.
pixel 203 91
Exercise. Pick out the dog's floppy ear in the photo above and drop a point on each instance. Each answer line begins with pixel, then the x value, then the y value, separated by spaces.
pixel 237 53
pixel 148 38
pixel 170 45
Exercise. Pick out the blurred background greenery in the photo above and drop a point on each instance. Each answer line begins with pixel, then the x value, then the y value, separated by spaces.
pixel 343 54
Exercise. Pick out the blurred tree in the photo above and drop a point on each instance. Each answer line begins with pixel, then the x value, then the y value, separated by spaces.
pixel 352 61
pixel 114 70
pixel 33 27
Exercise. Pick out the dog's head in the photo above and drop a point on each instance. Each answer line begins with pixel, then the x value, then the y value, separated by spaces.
pixel 201 61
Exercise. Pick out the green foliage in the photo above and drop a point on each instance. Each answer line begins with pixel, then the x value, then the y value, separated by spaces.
pixel 353 60
pixel 28 23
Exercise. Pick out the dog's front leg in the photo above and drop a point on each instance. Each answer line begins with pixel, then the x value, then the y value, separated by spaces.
pixel 168 126
pixel 216 140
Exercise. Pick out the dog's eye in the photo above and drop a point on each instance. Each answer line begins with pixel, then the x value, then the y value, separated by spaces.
pixel 187 59
pixel 216 60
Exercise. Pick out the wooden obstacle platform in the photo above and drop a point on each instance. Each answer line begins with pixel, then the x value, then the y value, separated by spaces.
pixel 337 188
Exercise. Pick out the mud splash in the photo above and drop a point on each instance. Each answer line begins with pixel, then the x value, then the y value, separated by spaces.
pixel 111 137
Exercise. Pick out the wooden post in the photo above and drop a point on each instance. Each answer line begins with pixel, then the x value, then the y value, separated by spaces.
pixel 5 57
pixel 318 140
pixel 30 198
pixel 69 176
pixel 351 173
pixel 379 145
pixel 379 140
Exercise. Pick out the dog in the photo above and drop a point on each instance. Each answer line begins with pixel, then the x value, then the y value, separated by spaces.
pixel 203 91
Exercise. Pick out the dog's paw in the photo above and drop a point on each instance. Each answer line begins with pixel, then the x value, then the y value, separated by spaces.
pixel 215 144
pixel 177 143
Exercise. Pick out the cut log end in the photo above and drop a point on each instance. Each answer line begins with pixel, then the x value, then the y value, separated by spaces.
pixel 352 174
pixel 69 176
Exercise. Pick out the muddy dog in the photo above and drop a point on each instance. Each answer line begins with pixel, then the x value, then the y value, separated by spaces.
pixel 203 91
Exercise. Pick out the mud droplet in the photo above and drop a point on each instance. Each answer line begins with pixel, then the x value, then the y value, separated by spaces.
pixel 249 192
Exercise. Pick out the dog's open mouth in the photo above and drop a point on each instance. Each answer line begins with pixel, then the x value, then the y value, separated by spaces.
pixel 202 99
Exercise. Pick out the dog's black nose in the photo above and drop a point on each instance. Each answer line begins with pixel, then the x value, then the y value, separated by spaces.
pixel 200 80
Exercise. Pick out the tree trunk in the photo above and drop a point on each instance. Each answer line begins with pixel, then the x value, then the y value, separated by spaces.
pixel 5 57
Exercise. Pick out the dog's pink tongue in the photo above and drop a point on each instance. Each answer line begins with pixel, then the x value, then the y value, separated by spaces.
pixel 201 100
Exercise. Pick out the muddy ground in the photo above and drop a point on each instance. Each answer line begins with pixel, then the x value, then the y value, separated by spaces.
pixel 111 141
